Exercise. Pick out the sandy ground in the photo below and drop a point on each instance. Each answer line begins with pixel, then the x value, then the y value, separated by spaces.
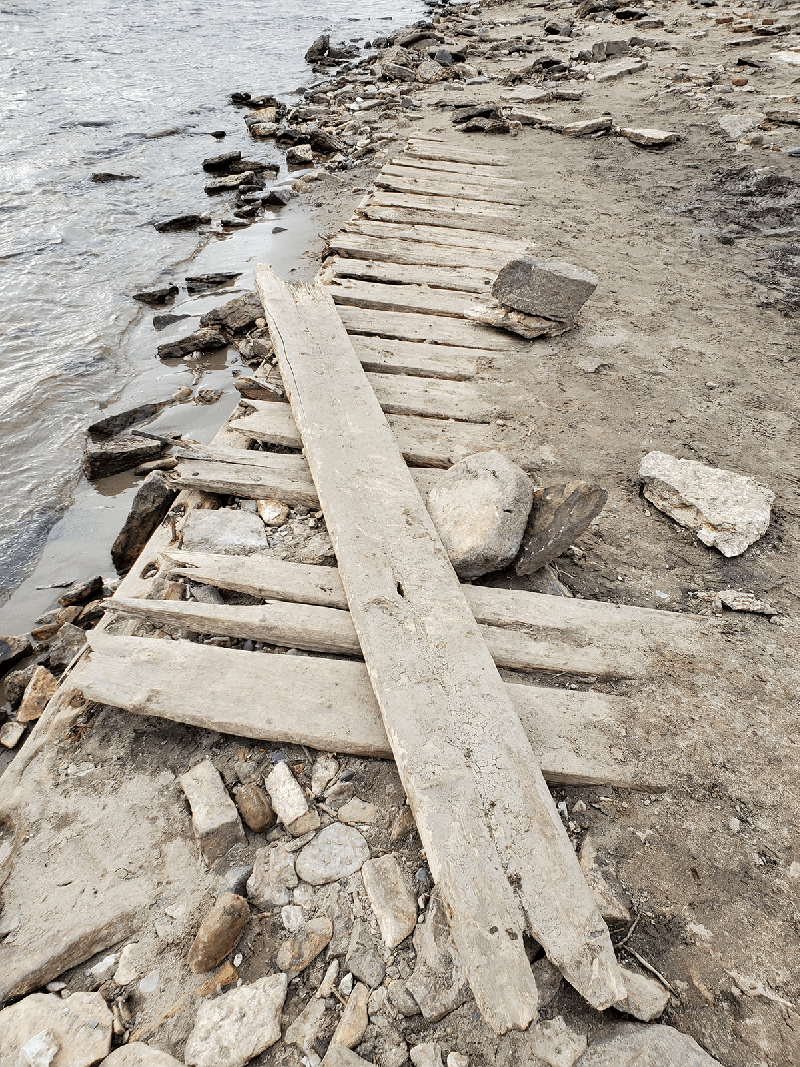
pixel 688 347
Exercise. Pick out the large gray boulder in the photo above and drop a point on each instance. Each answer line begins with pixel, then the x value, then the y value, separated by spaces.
pixel 634 1045
pixel 547 287
pixel 151 503
pixel 480 508
pixel 726 510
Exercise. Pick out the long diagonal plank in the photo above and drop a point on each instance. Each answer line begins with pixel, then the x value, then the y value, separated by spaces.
pixel 490 829
pixel 438 329
pixel 579 738
pixel 422 442
pixel 589 637
pixel 457 190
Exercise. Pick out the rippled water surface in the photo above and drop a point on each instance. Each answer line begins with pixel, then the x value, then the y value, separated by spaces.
pixel 84 87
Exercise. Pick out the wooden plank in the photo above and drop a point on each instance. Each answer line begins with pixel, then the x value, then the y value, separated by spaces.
pixel 415 216
pixel 588 637
pixel 458 205
pixel 457 190
pixel 461 279
pixel 454 237
pixel 417 253
pixel 491 833
pixel 438 167
pixel 415 299
pixel 579 738
pixel 434 328
pixel 422 442
pixel 452 362
pixel 438 151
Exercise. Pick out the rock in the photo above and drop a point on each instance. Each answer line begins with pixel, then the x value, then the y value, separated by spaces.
pixel 362 958
pixel 204 594
pixel 104 176
pixel 114 424
pixel 328 983
pixel 37 693
pixel 238 1025
pixel 635 1045
pixel 584 127
pixel 280 197
pixel 336 852
pixel 621 69
pixel 308 1026
pixel 559 516
pixel 137 1054
pixel 784 118
pixel 300 155
pixel 17 681
pixel 292 917
pixel 69 642
pixel 340 1056
pixel 558 28
pixel 649 138
pixel 726 510
pixel 546 580
pixel 288 799
pixel 548 980
pixel 206 339
pixel 546 287
pixel 325 767
pixel 438 983
pixel 735 600
pixel 12 650
pixel 264 129
pixel 740 123
pixel 428 1054
pixel 208 396
pixel 11 734
pixel 479 508
pixel 646 998
pixel 152 501
pixel 318 49
pixel 491 312
pixel 230 181
pixel 235 880
pixel 403 824
pixel 157 297
pixel 429 71
pixel 394 904
pixel 339 795
pixel 40 1051
pixel 179 223
pixel 556 1043
pixel 354 1019
pixel 317 550
pixel 119 454
pixel 254 808
pixel 132 964
pixel 356 811
pixel 103 970
pixel 221 162
pixel 199 283
pixel 401 1000
pixel 218 933
pixel 273 877
pixel 295 954
pixel 80 1026
pixel 457 1059
pixel 237 315
pixel 600 881
pixel 228 531
pixel 216 822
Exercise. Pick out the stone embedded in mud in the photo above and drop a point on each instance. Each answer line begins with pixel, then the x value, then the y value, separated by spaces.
pixel 273 877
pixel 237 315
pixel 430 71
pixel 215 819
pixel 227 531
pixel 12 650
pixel 218 933
pixel 288 799
pixel 480 507
pixel 742 122
pixel 438 983
pixel 38 691
pixel 222 161
pixel 649 138
pixel 547 287
pixel 79 1025
pixel 205 339
pixel 646 998
pixel 726 510
pixel 303 947
pixel 400 998
pixel 67 645
pixel 621 69
pixel 601 881
pixel 137 1054
pixel 428 1054
pixel 340 1056
pixel 236 1026
pixel 362 958
pixel 354 1019
pixel 151 503
pixel 309 1025
pixel 559 516
pixel 356 811
pixel 588 126
pixel 300 155
pixel 166 293
pixel 394 904
pixel 335 852
pixel 634 1044
pixel 254 808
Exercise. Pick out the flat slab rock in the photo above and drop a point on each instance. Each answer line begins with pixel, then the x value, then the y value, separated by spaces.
pixel 137 1054
pixel 559 516
pixel 726 510
pixel 236 1026
pixel 632 1045
pixel 80 1028
pixel 335 852
pixel 547 287
pixel 228 531
pixel 649 138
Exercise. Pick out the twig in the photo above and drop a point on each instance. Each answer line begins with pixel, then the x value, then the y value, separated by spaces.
pixel 649 967
pixel 627 936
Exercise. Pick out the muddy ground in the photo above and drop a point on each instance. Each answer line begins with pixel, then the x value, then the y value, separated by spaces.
pixel 689 347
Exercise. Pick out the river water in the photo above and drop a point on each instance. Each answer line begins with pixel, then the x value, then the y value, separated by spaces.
pixel 84 87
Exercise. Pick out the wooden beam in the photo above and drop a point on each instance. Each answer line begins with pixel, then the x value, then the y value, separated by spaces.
pixel 417 216
pixel 456 190
pixel 491 833
pixel 457 205
pixel 439 167
pixel 410 170
pixel 408 298
pixel 438 151
pixel 433 328
pixel 580 738
pixel 387 248
pixel 383 355
pixel 454 237
pixel 459 279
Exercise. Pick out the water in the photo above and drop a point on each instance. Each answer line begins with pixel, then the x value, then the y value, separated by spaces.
pixel 83 87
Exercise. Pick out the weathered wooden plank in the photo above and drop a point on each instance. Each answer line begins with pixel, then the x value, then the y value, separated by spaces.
pixel 491 833
pixel 410 170
pixel 409 298
pixel 415 216
pixel 434 328
pixel 436 150
pixel 423 442
pixel 579 738
pixel 403 394
pixel 436 166
pixel 455 236
pixel 453 362
pixel 458 205
pixel 461 279
pixel 457 190
pixel 385 248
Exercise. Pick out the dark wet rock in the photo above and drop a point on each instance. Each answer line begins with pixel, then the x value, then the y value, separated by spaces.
pixel 250 389
pixel 240 98
pixel 559 516
pixel 247 212
pixel 102 177
pixel 114 424
pixel 203 340
pixel 246 165
pixel 279 229
pixel 150 505
pixel 234 223
pixel 12 650
pixel 119 454
pixel 165 295
pixel 219 134
pixel 327 143
pixel 67 645
pixel 487 110
pixel 80 592
pixel 444 57
pixel 17 681
pixel 221 162
pixel 265 100
pixel 230 181
pixel 180 223
pixel 280 197
pixel 160 322
pixel 319 48
pixel 200 282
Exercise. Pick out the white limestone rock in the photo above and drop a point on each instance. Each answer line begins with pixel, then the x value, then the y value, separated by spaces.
pixel 649 138
pixel 635 1044
pixel 438 983
pixel 726 510
pixel 740 123
pixel 228 530
pixel 427 1054
pixel 288 799
pixel 480 507
pixel 335 852
pixel 137 1054
pixel 238 1025
pixel 646 998
pixel 392 901
pixel 273 877
pixel 80 1026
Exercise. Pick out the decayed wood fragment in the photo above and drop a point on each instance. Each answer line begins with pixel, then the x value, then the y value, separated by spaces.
pixel 491 833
